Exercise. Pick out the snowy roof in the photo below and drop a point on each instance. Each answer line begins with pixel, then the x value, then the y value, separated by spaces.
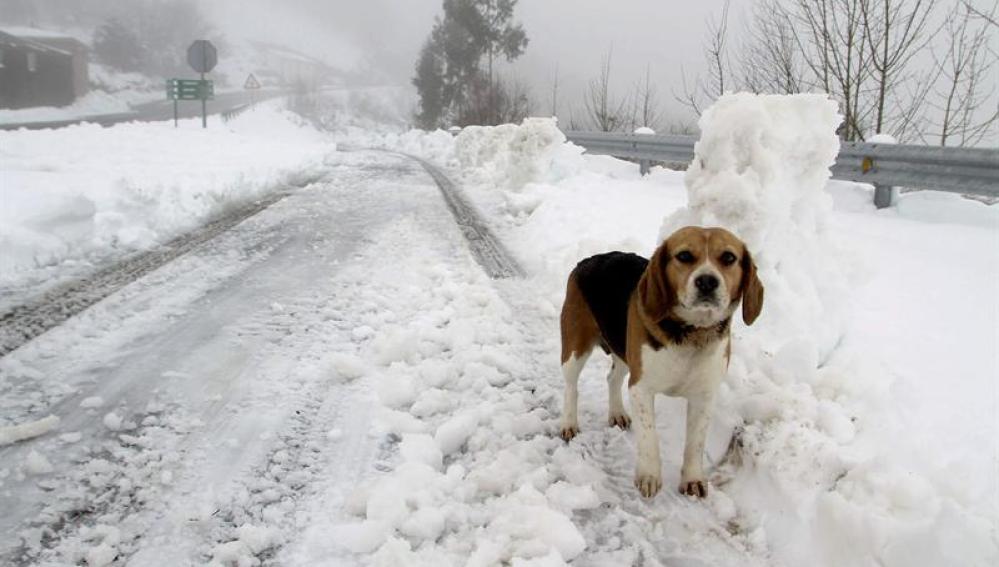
pixel 34 33
pixel 11 40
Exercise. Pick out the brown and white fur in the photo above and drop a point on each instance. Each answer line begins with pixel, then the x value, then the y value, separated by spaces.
pixel 674 340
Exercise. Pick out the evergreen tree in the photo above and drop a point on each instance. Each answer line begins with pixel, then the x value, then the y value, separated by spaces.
pixel 429 83
pixel 117 46
pixel 469 34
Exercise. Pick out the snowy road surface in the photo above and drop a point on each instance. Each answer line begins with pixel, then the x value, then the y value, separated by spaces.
pixel 330 373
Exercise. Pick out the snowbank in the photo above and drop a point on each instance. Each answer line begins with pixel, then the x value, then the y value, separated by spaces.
pixel 85 193
pixel 507 157
pixel 512 155
pixel 813 418
pixel 864 399
pixel 760 170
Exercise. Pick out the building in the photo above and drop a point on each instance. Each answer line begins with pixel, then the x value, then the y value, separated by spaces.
pixel 41 68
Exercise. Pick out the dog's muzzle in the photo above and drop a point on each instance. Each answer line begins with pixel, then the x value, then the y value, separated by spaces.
pixel 706 285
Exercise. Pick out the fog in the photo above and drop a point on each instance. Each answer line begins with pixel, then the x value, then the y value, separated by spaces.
pixel 384 36
pixel 377 42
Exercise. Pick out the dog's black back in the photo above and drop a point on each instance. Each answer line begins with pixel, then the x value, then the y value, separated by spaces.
pixel 607 282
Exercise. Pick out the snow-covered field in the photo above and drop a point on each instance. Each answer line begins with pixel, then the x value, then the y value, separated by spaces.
pixel 335 381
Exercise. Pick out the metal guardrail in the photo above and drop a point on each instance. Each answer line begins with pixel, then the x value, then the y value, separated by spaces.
pixel 969 171
pixel 235 111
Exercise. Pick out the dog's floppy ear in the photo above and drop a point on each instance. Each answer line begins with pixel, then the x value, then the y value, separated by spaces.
pixel 654 292
pixel 752 289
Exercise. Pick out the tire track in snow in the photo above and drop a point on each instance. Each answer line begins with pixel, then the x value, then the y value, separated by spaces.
pixel 22 323
pixel 487 249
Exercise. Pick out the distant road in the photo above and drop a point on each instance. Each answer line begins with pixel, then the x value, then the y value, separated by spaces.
pixel 154 111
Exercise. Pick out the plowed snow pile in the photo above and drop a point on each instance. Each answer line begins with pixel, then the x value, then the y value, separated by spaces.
pixel 863 401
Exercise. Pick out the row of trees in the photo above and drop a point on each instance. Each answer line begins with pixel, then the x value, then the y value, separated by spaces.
pixel 909 68
pixel 456 77
pixel 900 67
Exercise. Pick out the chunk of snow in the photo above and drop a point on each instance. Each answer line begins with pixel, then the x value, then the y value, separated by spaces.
pixel 14 433
pixel 882 138
pixel 569 497
pixel 361 537
pixel 452 434
pixel 421 448
pixel 92 402
pixel 426 523
pixel 257 538
pixel 113 421
pixel 101 555
pixel 72 437
pixel 36 464
pixel 346 366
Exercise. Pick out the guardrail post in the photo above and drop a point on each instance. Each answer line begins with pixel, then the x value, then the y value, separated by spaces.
pixel 883 195
pixel 644 164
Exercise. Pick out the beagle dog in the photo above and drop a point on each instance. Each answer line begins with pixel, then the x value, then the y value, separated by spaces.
pixel 666 322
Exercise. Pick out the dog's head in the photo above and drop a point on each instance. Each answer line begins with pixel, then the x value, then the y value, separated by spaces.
pixel 698 276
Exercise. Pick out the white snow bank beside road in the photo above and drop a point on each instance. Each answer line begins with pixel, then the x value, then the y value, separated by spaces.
pixel 510 155
pixel 83 193
pixel 865 395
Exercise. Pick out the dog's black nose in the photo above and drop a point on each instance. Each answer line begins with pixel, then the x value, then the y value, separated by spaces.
pixel 706 284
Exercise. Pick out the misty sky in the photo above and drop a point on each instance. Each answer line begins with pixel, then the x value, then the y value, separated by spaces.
pixel 574 33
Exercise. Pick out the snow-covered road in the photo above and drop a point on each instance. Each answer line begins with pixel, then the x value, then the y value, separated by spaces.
pixel 171 384
pixel 332 371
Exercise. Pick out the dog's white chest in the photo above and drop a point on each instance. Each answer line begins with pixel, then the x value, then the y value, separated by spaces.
pixel 682 370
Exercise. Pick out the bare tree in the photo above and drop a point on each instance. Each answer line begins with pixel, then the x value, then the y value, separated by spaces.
pixel 645 103
pixel 990 17
pixel 769 60
pixel 894 32
pixel 605 113
pixel 715 54
pixel 960 98
pixel 555 93
pixel 829 35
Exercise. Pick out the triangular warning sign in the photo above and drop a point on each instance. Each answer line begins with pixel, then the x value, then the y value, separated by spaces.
pixel 251 83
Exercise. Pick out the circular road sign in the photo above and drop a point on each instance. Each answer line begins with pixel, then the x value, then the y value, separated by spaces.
pixel 202 56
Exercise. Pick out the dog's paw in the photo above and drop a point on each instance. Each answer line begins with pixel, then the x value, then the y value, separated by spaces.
pixel 621 420
pixel 569 431
pixel 696 488
pixel 648 485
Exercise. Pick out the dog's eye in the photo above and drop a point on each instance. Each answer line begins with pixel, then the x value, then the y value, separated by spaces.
pixel 727 259
pixel 685 257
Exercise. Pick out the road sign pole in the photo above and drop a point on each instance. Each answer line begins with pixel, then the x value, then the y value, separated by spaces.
pixel 204 103
pixel 174 113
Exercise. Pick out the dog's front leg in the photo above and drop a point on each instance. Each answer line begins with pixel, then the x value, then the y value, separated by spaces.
pixel 692 480
pixel 648 476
